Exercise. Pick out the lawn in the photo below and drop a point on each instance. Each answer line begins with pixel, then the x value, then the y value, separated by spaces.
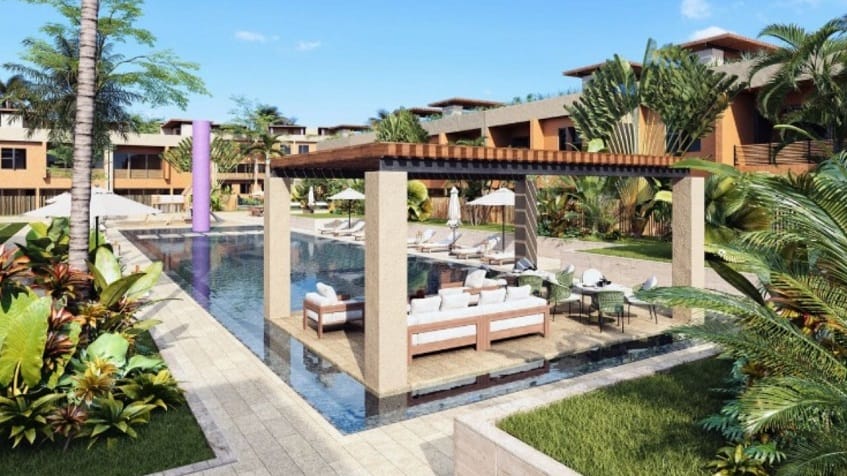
pixel 492 227
pixel 639 249
pixel 7 230
pixel 643 426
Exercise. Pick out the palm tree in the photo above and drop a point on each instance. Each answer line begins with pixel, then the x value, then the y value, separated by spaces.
pixel 791 330
pixel 817 57
pixel 12 91
pixel 264 147
pixel 380 115
pixel 83 136
pixel 401 126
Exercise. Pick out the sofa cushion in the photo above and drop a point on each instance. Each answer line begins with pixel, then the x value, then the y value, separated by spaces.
pixel 336 317
pixel 454 301
pixel 453 290
pixel 475 279
pixel 490 283
pixel 511 323
pixel 515 293
pixel 494 296
pixel 316 299
pixel 443 334
pixel 423 305
pixel 327 291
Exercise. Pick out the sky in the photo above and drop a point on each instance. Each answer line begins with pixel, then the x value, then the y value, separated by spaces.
pixel 329 62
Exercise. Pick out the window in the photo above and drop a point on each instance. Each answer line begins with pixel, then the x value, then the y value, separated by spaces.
pixel 285 149
pixel 137 161
pixel 569 139
pixel 13 159
pixel 303 149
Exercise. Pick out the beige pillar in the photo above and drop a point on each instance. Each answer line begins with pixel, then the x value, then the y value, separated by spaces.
pixel 688 267
pixel 536 135
pixel 278 248
pixel 442 139
pixel 526 219
pixel 385 282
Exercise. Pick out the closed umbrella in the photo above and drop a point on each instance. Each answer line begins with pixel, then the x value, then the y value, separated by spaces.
pixel 310 198
pixel 503 198
pixel 348 194
pixel 454 212
pixel 103 204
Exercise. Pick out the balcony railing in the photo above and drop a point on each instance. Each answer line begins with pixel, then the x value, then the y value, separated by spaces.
pixel 139 174
pixel 797 153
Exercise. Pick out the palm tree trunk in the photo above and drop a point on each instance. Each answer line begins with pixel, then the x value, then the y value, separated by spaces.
pixel 83 136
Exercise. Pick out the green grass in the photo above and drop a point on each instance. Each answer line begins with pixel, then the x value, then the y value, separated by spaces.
pixel 492 227
pixel 643 426
pixel 325 215
pixel 171 439
pixel 8 230
pixel 639 249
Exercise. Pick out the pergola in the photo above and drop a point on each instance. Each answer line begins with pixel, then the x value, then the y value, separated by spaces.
pixel 386 168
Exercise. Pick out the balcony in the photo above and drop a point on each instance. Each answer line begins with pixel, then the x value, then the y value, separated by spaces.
pixel 139 174
pixel 798 156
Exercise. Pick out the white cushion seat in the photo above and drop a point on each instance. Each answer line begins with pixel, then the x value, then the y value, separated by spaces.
pixel 324 308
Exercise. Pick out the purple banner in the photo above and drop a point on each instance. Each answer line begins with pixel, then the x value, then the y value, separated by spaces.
pixel 201 183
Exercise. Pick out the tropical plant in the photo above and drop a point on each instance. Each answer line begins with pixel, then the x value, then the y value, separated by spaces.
pixel 13 267
pixel 638 197
pixel 160 389
pixel 26 416
pixel 79 85
pixel 68 421
pixel 729 211
pixel 735 461
pixel 610 107
pixel 401 126
pixel 815 58
pixel 792 329
pixel 594 206
pixel 224 153
pixel 109 418
pixel 417 201
pixel 12 91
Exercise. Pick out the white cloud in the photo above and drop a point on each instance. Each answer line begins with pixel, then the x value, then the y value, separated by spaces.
pixel 695 9
pixel 250 36
pixel 307 45
pixel 707 32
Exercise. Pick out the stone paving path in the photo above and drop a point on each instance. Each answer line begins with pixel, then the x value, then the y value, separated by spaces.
pixel 260 426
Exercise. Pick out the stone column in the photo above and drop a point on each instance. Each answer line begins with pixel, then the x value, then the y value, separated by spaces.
pixel 536 135
pixel 386 288
pixel 526 219
pixel 277 248
pixel 688 267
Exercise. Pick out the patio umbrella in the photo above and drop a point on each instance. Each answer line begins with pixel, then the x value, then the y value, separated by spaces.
pixel 103 204
pixel 454 212
pixel 503 198
pixel 310 198
pixel 348 194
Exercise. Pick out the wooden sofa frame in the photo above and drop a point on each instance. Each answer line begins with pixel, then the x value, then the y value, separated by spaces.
pixel 329 309
pixel 483 338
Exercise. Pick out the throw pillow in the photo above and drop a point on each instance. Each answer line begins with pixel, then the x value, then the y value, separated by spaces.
pixel 514 293
pixel 423 305
pixel 475 279
pixel 455 301
pixel 327 291
pixel 494 296
pixel 650 283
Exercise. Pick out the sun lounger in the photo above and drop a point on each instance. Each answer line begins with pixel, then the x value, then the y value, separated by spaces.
pixel 357 227
pixel 332 227
pixel 499 257
pixel 424 237
pixel 443 245
pixel 360 236
pixel 478 250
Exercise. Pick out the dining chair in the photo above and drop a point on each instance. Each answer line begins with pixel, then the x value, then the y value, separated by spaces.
pixel 560 292
pixel 534 281
pixel 632 300
pixel 607 303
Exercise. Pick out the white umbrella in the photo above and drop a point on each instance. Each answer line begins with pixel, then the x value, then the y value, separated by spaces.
pixel 348 194
pixel 454 212
pixel 103 204
pixel 310 198
pixel 502 197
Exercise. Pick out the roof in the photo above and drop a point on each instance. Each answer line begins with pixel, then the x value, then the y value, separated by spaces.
pixel 729 41
pixel 176 122
pixel 584 71
pixel 347 127
pixel 452 161
pixel 465 102
pixel 425 111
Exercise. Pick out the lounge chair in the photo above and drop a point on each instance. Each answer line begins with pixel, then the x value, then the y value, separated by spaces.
pixel 360 236
pixel 499 257
pixel 478 250
pixel 443 245
pixel 424 237
pixel 357 227
pixel 325 308
pixel 632 300
pixel 332 227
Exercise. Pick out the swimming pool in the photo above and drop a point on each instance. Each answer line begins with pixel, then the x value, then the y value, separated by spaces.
pixel 223 271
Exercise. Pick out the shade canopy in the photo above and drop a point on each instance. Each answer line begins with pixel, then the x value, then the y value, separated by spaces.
pixel 500 197
pixel 348 194
pixel 103 204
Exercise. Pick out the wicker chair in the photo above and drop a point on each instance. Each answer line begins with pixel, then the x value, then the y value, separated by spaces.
pixel 560 292
pixel 534 281
pixel 607 303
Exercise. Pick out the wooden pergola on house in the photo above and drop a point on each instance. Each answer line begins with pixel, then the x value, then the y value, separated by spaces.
pixel 386 168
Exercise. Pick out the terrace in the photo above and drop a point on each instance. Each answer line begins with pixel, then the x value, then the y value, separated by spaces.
pixel 380 358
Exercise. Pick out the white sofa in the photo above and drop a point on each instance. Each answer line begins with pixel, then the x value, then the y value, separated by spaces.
pixel 448 321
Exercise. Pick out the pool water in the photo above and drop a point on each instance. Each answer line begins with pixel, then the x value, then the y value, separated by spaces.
pixel 223 271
